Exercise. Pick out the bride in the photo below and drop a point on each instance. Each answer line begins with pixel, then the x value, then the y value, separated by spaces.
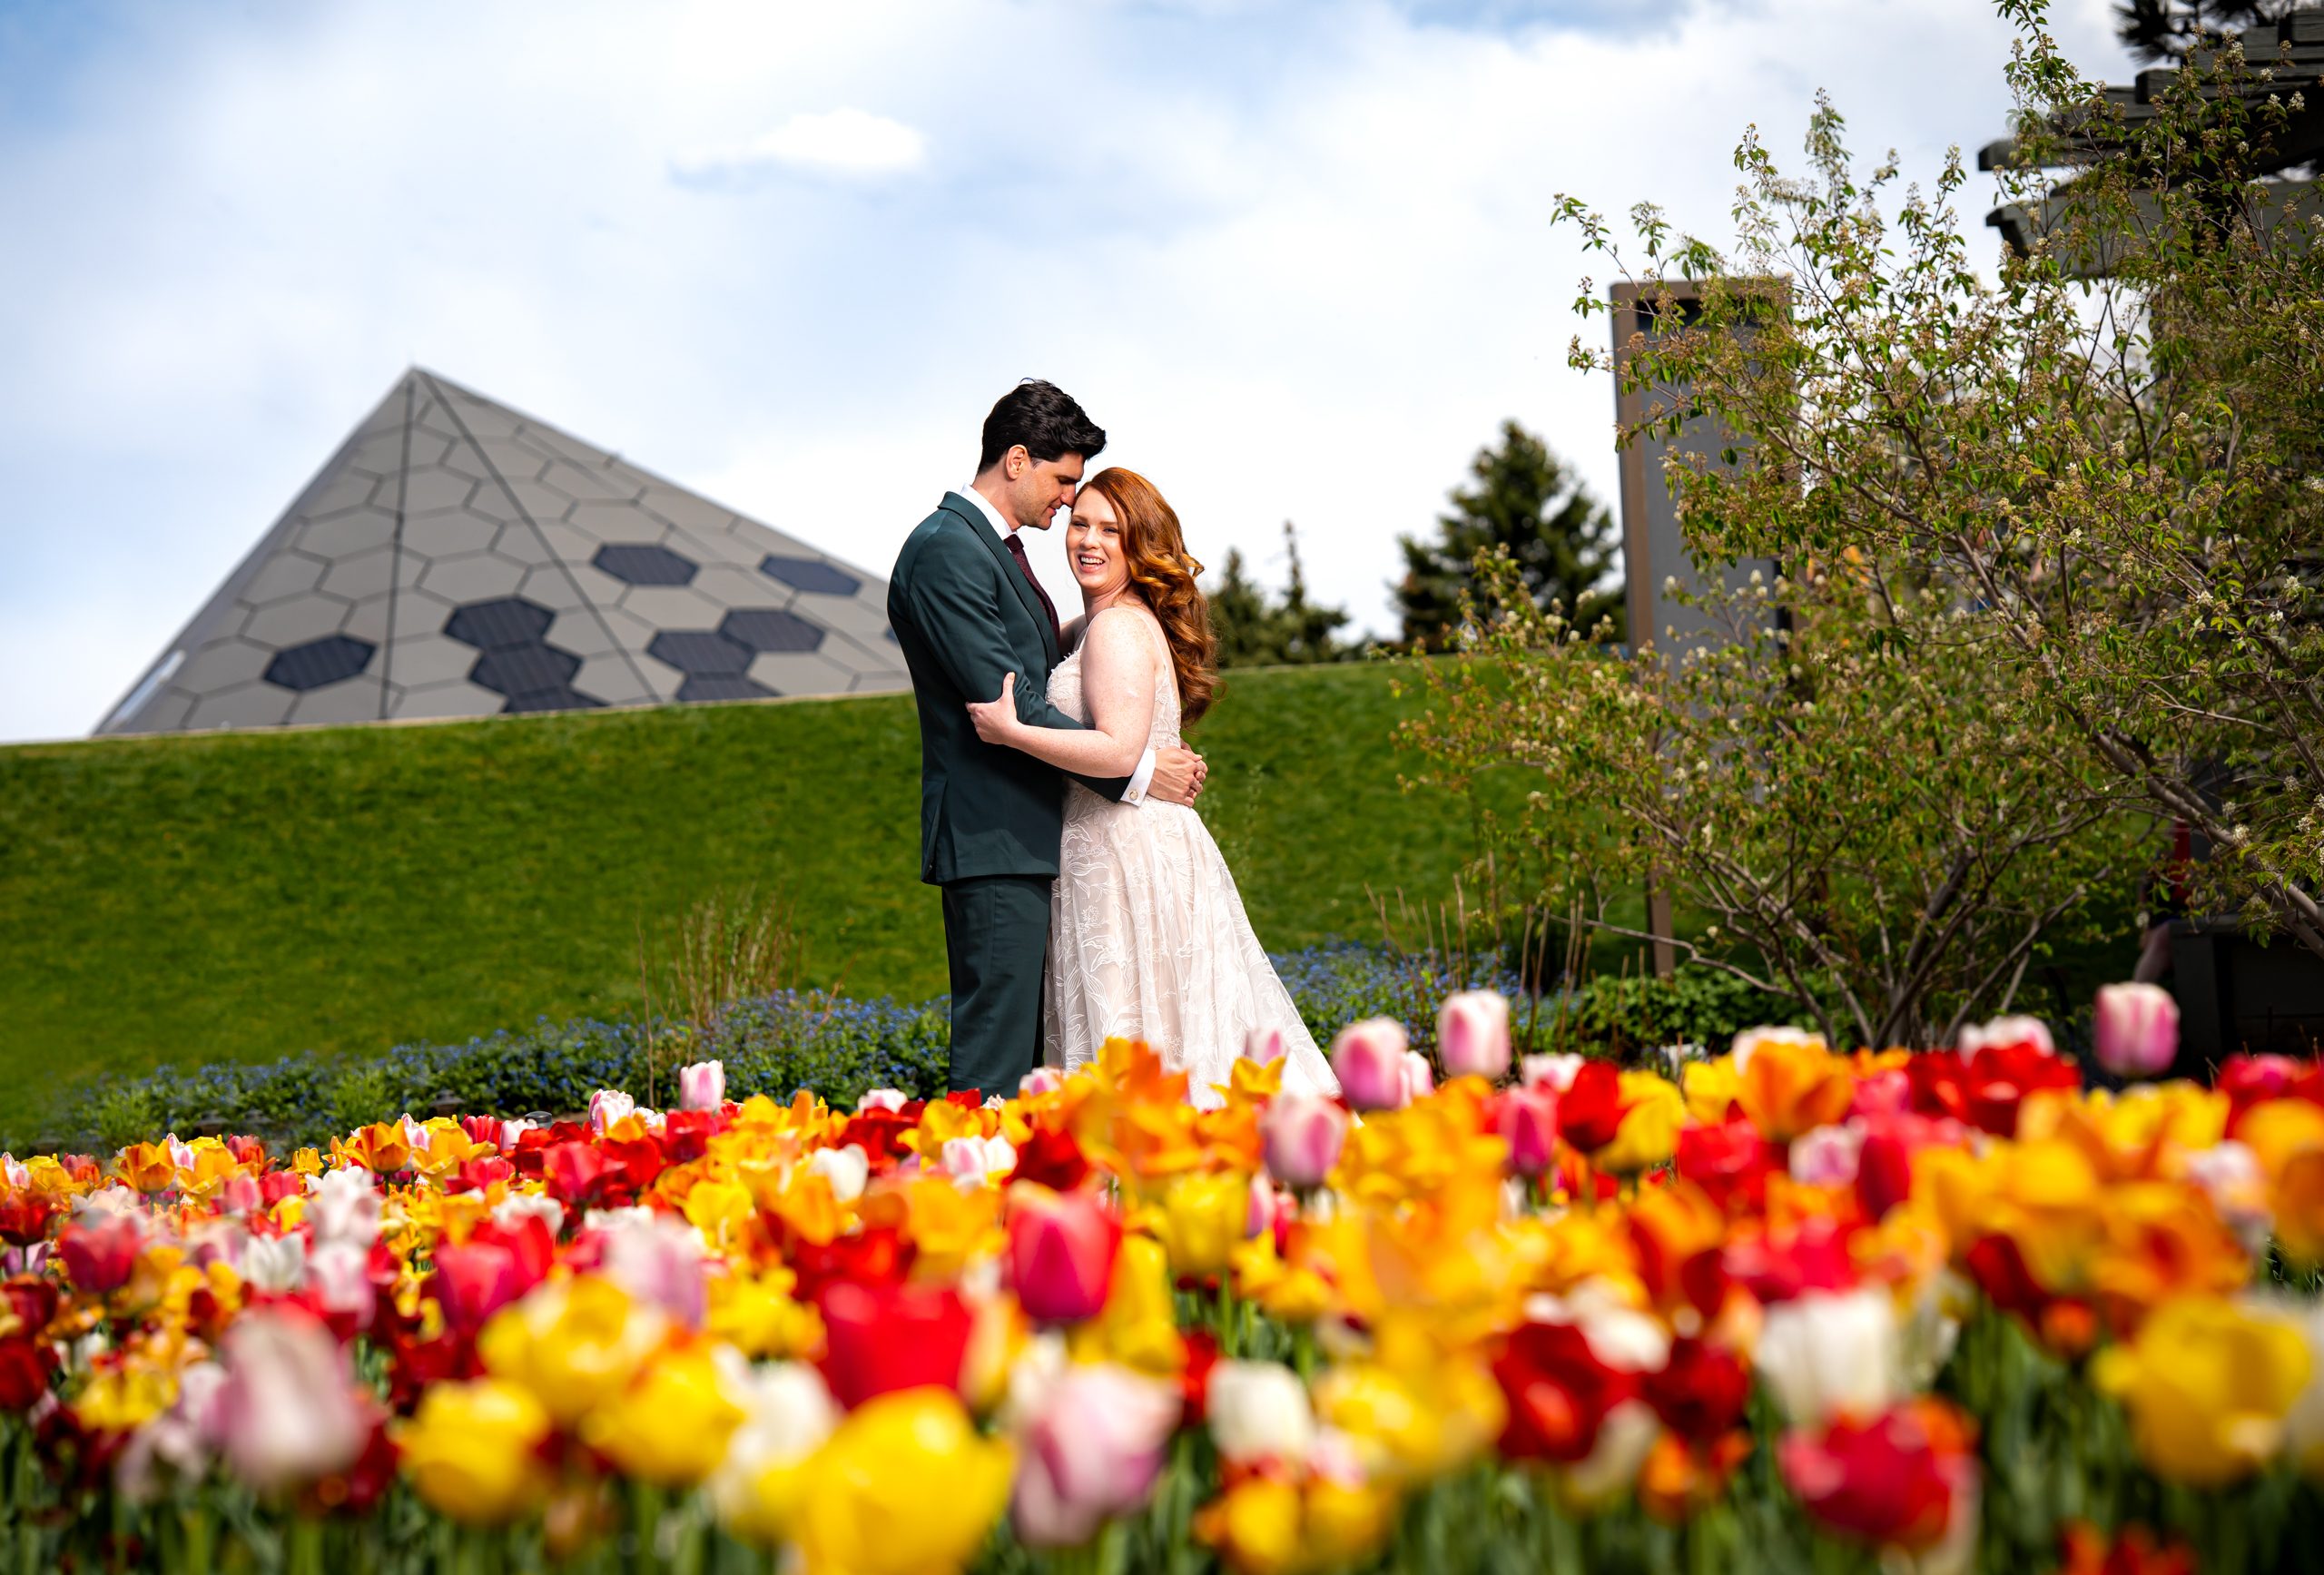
pixel 1147 938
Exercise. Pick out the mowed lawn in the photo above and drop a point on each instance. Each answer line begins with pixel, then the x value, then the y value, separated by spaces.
pixel 247 895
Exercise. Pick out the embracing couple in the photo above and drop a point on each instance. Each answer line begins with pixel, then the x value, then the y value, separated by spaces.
pixel 1084 899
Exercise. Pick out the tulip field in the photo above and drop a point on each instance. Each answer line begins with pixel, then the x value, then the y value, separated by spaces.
pixel 1782 1309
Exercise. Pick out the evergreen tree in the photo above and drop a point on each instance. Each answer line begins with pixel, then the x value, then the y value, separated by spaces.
pixel 1253 633
pixel 1524 499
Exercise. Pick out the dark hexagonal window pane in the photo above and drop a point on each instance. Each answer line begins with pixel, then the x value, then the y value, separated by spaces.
pixel 704 653
pixel 330 660
pixel 498 625
pixel 644 565
pixel 525 669
pixel 765 629
pixel 807 573
pixel 565 699
pixel 722 687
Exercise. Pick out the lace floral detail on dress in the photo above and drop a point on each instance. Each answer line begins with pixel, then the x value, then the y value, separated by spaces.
pixel 1147 935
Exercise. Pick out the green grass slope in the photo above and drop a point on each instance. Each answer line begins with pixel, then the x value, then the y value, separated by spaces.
pixel 246 895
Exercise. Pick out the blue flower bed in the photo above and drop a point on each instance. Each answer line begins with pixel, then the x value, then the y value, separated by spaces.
pixel 834 1046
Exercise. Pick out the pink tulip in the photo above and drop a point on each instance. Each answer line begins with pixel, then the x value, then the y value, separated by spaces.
pixel 1264 1044
pixel 1827 1156
pixel 1369 1059
pixel 2137 1029
pixel 1883 1093
pixel 1527 1120
pixel 1419 1081
pixel 1061 1249
pixel 1092 1453
pixel 1555 1073
pixel 2006 1033
pixel 289 1413
pixel 1473 1034
pixel 1269 1208
pixel 339 1273
pixel 703 1085
pixel 1039 1081
pixel 1304 1133
pixel 607 1106
pixel 658 1260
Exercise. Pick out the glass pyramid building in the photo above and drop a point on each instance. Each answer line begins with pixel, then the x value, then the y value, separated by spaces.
pixel 455 558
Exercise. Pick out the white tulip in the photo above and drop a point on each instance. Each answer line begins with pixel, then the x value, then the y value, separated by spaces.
pixel 847 1169
pixel 1823 1355
pixel 1260 1411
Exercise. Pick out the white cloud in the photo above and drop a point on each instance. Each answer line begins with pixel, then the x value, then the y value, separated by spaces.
pixel 845 141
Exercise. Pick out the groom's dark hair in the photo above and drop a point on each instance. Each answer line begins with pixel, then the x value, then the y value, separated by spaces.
pixel 1045 419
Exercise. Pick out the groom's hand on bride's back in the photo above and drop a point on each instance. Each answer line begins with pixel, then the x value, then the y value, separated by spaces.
pixel 1178 776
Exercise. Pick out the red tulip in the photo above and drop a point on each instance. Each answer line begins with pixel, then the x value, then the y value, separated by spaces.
pixel 277 1185
pixel 1883 1174
pixel 1061 1250
pixel 878 1338
pixel 1701 1393
pixel 1590 1111
pixel 577 1173
pixel 474 1282
pixel 99 1257
pixel 1895 1480
pixel 24 1366
pixel 1775 1267
pixel 1559 1393
pixel 877 1256
pixel 476 1175
pixel 33 1298
pixel 250 1151
pixel 25 1217
pixel 1052 1159
pixel 483 1129
pixel 1729 1162
pixel 880 1133
pixel 1526 1119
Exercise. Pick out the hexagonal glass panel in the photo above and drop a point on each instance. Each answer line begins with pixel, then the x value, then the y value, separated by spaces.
pixel 722 687
pixel 498 623
pixel 768 629
pixel 333 659
pixel 703 652
pixel 812 574
pixel 644 566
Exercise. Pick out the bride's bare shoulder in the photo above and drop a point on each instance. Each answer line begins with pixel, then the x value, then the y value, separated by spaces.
pixel 1120 632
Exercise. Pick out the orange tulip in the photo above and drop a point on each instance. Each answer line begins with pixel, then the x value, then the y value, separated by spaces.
pixel 1791 1087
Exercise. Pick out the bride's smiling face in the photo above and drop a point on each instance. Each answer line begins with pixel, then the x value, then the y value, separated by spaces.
pixel 1093 545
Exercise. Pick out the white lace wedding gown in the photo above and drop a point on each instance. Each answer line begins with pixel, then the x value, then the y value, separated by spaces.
pixel 1147 937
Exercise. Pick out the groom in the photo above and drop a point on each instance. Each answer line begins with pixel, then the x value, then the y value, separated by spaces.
pixel 967 611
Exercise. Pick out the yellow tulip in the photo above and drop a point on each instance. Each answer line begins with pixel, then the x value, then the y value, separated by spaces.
pixel 1203 1218
pixel 118 1398
pixel 758 1316
pixel 1266 1526
pixel 869 1505
pixel 2207 1385
pixel 1649 1134
pixel 1793 1085
pixel 671 1425
pixel 1710 1087
pixel 718 1209
pixel 148 1167
pixel 2300 1206
pixel 575 1345
pixel 471 1451
pixel 2279 1128
pixel 1138 1328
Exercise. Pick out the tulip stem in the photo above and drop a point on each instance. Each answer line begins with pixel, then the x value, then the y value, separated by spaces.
pixel 306 1550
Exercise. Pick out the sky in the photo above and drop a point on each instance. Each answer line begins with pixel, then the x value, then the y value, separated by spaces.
pixel 1296 256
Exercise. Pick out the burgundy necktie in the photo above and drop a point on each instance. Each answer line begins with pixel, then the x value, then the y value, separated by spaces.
pixel 1017 551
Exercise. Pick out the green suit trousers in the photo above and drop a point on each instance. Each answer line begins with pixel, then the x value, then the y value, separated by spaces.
pixel 996 938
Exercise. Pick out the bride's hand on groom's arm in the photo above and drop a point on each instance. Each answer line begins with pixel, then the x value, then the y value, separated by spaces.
pixel 996 721
pixel 1178 776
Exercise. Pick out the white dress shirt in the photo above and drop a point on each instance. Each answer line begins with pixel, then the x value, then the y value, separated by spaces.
pixel 1144 774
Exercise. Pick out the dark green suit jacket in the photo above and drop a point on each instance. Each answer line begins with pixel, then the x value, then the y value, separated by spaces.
pixel 965 618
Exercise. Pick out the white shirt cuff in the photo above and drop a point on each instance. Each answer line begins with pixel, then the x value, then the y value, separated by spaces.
pixel 1139 778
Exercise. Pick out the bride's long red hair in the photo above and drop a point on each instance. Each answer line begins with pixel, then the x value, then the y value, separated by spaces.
pixel 1164 574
